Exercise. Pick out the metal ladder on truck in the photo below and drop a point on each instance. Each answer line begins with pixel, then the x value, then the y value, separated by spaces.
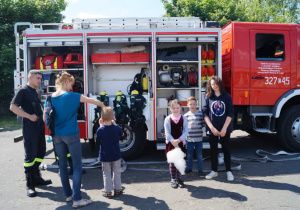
pixel 20 77
pixel 137 23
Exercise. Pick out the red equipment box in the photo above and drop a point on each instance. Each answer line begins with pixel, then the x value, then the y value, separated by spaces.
pixel 74 59
pixel 134 57
pixel 106 58
pixel 49 62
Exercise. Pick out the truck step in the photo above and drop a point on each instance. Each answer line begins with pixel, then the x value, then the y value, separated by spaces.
pixel 262 130
pixel 261 114
pixel 162 146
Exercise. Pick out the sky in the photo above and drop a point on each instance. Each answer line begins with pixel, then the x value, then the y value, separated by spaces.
pixel 112 9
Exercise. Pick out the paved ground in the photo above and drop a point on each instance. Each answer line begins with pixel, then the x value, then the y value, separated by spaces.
pixel 272 185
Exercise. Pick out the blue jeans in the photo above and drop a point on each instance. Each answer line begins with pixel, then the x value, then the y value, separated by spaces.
pixel 62 144
pixel 190 152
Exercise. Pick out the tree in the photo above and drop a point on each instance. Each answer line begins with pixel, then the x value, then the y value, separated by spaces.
pixel 224 11
pixel 12 11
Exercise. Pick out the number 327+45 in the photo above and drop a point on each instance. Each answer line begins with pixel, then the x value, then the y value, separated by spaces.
pixel 276 80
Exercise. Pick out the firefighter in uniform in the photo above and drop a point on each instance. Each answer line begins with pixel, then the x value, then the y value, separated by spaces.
pixel 33 130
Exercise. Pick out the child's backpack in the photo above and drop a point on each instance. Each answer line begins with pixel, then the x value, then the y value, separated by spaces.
pixel 50 116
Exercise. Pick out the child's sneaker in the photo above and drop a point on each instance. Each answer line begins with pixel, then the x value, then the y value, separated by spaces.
pixel 229 176
pixel 174 184
pixel 107 194
pixel 180 183
pixel 211 175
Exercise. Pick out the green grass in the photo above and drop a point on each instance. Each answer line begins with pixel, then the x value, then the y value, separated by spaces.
pixel 9 123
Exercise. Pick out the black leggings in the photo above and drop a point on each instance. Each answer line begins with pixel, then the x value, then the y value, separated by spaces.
pixel 225 142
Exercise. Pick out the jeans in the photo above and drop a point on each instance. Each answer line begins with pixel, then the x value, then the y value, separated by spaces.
pixel 190 152
pixel 62 144
pixel 225 142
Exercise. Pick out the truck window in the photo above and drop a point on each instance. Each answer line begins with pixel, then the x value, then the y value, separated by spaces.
pixel 269 47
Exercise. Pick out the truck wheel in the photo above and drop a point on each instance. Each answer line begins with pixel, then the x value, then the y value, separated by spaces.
pixel 289 128
pixel 132 143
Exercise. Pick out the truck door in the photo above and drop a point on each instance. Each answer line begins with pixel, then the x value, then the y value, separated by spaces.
pixel 270 66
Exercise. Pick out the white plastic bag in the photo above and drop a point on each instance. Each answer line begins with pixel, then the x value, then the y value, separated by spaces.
pixel 176 156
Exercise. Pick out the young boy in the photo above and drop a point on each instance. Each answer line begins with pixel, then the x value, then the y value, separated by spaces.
pixel 195 135
pixel 110 155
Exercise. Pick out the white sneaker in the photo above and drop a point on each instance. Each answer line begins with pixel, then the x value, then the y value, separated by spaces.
pixel 211 175
pixel 229 176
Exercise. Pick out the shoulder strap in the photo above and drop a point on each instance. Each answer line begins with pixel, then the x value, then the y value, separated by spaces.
pixel 49 100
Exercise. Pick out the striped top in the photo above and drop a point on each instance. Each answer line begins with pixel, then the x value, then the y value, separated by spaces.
pixel 195 123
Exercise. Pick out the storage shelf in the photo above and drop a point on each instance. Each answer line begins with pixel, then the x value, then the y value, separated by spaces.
pixel 174 88
pixel 127 63
pixel 56 70
pixel 208 64
pixel 166 107
pixel 182 61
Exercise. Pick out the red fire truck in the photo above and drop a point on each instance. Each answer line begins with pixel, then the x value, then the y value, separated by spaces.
pixel 261 71
pixel 174 57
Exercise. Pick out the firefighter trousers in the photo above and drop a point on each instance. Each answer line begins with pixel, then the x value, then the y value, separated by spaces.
pixel 34 145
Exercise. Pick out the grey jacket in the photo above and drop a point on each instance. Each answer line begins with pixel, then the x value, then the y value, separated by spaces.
pixel 167 126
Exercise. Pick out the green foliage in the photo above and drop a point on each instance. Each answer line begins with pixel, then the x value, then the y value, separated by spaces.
pixel 224 11
pixel 13 11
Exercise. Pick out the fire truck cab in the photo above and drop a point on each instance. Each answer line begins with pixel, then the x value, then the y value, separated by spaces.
pixel 261 71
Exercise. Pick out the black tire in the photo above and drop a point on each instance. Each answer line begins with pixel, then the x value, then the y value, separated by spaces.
pixel 289 128
pixel 132 144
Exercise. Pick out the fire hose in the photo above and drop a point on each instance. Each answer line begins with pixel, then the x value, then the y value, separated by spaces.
pixel 263 158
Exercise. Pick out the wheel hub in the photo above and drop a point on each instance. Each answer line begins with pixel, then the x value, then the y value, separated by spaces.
pixel 296 129
pixel 127 140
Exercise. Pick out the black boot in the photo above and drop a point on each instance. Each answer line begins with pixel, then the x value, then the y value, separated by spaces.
pixel 30 185
pixel 39 180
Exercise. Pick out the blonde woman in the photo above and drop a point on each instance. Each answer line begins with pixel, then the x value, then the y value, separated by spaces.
pixel 66 104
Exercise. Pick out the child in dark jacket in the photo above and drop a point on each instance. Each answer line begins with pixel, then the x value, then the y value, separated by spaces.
pixel 218 112
pixel 110 155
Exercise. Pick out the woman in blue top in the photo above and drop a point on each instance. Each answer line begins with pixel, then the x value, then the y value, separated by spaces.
pixel 66 104
pixel 218 112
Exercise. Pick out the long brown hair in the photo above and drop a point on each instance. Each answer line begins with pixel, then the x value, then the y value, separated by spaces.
pixel 218 81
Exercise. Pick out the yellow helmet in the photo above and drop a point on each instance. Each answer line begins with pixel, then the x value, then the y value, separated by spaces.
pixel 134 92
pixel 118 93
pixel 103 93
